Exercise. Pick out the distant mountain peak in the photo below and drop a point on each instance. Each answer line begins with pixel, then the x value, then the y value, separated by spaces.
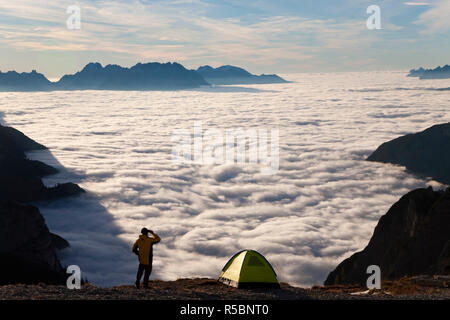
pixel 93 66
pixel 205 68
pixel 436 73
pixel 25 81
pixel 228 74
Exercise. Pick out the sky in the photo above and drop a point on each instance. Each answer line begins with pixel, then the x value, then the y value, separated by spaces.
pixel 263 36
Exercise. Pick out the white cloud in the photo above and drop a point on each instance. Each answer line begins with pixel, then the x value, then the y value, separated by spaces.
pixel 416 3
pixel 436 18
pixel 320 207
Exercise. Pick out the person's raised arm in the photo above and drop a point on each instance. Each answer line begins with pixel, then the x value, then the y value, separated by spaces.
pixel 156 238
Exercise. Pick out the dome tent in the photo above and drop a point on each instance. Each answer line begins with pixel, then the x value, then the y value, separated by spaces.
pixel 249 268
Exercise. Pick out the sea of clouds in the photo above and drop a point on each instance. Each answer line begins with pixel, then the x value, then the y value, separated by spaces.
pixel 320 207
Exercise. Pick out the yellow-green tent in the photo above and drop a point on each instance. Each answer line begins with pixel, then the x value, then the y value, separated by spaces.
pixel 249 268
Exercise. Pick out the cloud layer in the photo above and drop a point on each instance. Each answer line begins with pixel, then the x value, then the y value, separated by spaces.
pixel 319 208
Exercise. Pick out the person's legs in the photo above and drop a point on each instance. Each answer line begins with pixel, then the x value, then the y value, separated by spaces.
pixel 148 271
pixel 139 274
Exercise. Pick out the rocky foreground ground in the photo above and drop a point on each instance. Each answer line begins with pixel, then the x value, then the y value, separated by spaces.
pixel 421 288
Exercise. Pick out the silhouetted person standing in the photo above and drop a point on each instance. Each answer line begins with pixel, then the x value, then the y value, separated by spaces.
pixel 143 247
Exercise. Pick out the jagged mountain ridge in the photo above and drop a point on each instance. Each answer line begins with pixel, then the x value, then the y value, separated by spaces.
pixel 140 77
pixel 436 73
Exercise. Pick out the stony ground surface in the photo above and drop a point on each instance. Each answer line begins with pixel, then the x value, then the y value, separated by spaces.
pixel 437 287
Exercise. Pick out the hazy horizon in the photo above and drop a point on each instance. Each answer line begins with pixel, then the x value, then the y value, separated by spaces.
pixel 55 79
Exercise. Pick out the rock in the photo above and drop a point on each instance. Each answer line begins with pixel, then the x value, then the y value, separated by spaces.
pixel 412 238
pixel 20 178
pixel 15 142
pixel 63 190
pixel 443 265
pixel 27 248
pixel 58 242
pixel 426 153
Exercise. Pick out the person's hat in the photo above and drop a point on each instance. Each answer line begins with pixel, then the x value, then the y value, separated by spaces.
pixel 144 231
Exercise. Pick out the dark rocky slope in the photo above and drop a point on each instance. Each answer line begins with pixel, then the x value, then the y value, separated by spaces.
pixel 426 152
pixel 20 178
pixel 412 238
pixel 27 248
